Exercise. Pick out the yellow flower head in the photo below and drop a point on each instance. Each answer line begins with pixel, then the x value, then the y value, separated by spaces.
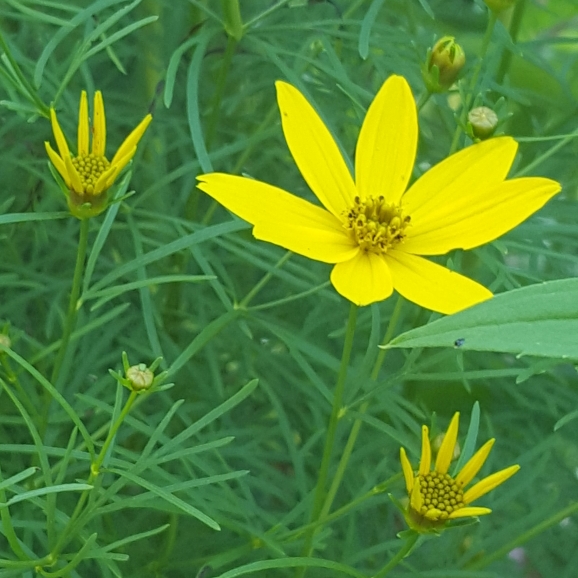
pixel 89 174
pixel 435 497
pixel 372 228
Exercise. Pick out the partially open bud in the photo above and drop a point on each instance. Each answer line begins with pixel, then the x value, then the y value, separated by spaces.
pixel 140 378
pixel 498 6
pixel 483 121
pixel 444 63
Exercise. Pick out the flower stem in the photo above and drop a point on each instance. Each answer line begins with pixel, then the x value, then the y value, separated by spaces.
pixel 515 24
pixel 73 303
pixel 473 82
pixel 263 281
pixel 330 437
pixel 423 99
pixel 410 542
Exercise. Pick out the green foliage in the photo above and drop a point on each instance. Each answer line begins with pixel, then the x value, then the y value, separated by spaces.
pixel 216 475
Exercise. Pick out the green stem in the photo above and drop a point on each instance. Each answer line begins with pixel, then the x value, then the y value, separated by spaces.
pixel 515 25
pixel 72 528
pixel 425 96
pixel 8 528
pixel 233 20
pixel 265 13
pixel 73 303
pixel 264 280
pixel 403 552
pixel 525 537
pixel 473 82
pixel 330 437
pixel 355 429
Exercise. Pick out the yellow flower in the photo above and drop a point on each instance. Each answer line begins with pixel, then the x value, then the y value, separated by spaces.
pixel 88 175
pixel 435 497
pixel 373 229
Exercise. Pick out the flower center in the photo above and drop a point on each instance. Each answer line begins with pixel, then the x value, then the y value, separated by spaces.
pixel 441 496
pixel 89 168
pixel 376 225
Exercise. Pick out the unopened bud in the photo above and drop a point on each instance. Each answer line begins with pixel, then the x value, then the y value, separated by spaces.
pixel 5 341
pixel 444 63
pixel 498 6
pixel 483 121
pixel 140 377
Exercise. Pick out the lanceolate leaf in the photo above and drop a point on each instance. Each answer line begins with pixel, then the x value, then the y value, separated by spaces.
pixel 539 320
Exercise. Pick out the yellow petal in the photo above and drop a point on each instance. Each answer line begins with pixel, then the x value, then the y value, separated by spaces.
pixel 469 512
pixel 98 126
pixel 453 184
pixel 387 142
pixel 83 129
pixel 59 136
pixel 282 218
pixel 468 472
pixel 132 139
pixel 58 163
pixel 433 286
pixel 117 167
pixel 407 471
pixel 416 498
pixel 314 150
pixel 481 216
pixel 102 182
pixel 488 484
pixel 364 279
pixel 425 461
pixel 75 182
pixel 446 451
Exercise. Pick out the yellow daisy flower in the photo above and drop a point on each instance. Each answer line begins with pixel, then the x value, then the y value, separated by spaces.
pixel 435 497
pixel 373 229
pixel 88 175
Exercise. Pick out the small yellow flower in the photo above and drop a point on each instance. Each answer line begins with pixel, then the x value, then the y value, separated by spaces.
pixel 435 497
pixel 372 229
pixel 89 174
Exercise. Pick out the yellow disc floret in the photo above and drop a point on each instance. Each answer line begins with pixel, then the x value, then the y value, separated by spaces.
pixel 441 496
pixel 89 168
pixel 376 225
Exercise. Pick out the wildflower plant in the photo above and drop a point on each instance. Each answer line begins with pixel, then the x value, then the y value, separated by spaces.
pixel 331 242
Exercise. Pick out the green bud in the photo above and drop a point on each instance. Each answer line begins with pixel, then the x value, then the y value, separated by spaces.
pixel 444 63
pixel 140 377
pixel 498 6
pixel 5 341
pixel 483 121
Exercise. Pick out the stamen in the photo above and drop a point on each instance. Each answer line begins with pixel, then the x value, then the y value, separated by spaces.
pixel 441 496
pixel 89 168
pixel 376 225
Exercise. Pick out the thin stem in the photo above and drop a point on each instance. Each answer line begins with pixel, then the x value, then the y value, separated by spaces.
pixel 73 303
pixel 515 25
pixel 265 13
pixel 403 552
pixel 355 429
pixel 263 281
pixel 330 437
pixel 473 82
pixel 72 528
pixel 423 99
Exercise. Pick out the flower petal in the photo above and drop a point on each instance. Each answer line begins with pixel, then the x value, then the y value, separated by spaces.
pixel 132 139
pixel 75 182
pixel 446 451
pixel 59 136
pixel 472 467
pixel 98 126
pixel 407 471
pixel 314 150
pixel 387 142
pixel 58 163
pixel 425 461
pixel 117 167
pixel 480 216
pixel 416 498
pixel 83 129
pixel 282 218
pixel 469 512
pixel 453 184
pixel 488 484
pixel 433 286
pixel 364 279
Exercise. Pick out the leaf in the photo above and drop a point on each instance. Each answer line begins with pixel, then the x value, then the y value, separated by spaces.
pixel 540 320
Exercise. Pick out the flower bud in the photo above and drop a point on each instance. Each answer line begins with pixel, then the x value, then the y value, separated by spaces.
pixel 444 62
pixel 5 341
pixel 483 121
pixel 498 6
pixel 140 377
